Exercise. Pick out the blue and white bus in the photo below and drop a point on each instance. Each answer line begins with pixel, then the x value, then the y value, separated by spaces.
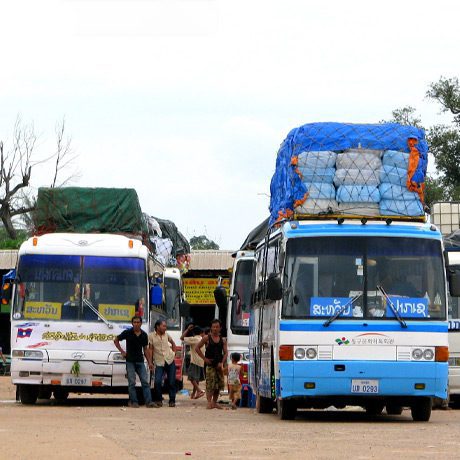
pixel 349 312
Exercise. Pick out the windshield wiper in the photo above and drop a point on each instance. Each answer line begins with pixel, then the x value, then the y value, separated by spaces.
pixel 95 310
pixel 393 308
pixel 341 310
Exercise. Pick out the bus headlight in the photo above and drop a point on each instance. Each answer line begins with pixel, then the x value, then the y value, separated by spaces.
pixel 311 353
pixel 428 354
pixel 299 353
pixel 28 354
pixel 118 357
pixel 417 354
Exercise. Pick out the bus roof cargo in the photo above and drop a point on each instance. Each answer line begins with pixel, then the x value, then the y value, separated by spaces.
pixel 88 210
pixel 352 170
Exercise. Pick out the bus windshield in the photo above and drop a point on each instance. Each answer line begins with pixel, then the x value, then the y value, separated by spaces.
pixel 63 287
pixel 172 301
pixel 323 274
pixel 243 285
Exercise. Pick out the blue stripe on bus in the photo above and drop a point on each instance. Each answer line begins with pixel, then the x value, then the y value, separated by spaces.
pixel 346 229
pixel 371 327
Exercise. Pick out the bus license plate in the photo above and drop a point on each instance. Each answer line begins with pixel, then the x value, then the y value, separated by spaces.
pixel 76 381
pixel 365 386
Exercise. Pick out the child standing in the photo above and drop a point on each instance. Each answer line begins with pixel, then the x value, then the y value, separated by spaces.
pixel 233 379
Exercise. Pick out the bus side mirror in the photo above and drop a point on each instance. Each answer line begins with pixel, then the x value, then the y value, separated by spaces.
pixel 7 290
pixel 156 295
pixel 274 287
pixel 220 296
pixel 184 309
pixel 454 283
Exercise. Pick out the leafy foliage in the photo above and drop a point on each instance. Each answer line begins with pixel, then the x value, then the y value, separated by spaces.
pixel 444 140
pixel 405 116
pixel 9 243
pixel 202 242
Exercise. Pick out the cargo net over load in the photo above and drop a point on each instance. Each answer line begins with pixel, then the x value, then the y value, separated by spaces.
pixel 350 170
pixel 171 246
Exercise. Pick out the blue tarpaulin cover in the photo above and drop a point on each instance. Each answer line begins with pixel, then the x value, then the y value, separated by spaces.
pixel 287 189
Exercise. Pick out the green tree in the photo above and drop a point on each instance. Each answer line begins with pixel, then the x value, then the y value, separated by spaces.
pixel 444 140
pixel 405 116
pixel 8 243
pixel 202 242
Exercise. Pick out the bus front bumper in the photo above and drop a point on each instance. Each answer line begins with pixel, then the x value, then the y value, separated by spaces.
pixel 334 378
pixel 89 374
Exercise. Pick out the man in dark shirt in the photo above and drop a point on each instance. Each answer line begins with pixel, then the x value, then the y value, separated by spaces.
pixel 136 342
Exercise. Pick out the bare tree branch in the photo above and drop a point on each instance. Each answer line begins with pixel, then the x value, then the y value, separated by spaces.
pixel 16 165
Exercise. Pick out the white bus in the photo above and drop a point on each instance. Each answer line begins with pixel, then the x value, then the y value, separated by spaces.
pixel 350 313
pixel 170 311
pixel 237 306
pixel 454 335
pixel 73 294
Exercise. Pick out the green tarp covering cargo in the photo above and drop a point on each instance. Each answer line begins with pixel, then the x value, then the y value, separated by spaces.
pixel 88 210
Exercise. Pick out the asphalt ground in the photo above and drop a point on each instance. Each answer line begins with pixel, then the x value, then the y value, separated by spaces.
pixel 95 427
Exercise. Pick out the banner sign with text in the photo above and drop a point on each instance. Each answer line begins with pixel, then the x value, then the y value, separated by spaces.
pixel 200 291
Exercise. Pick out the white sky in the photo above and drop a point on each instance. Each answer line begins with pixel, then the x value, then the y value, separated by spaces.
pixel 188 101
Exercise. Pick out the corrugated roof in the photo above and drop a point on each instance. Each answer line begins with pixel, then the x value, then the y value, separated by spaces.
pixel 8 258
pixel 211 260
pixel 199 260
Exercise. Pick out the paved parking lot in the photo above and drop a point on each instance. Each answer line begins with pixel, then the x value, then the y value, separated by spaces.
pixel 103 427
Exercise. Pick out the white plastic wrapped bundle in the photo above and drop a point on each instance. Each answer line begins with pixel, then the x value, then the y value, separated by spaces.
pixel 401 208
pixel 317 206
pixel 321 191
pixel 359 159
pixel 164 248
pixel 356 177
pixel 317 175
pixel 359 209
pixel 358 194
pixel 317 160
pixel 393 175
pixel 394 158
pixel 396 200
pixel 397 192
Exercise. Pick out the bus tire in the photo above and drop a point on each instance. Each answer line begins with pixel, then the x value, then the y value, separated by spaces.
pixel 421 410
pixel 28 394
pixel 60 395
pixel 264 405
pixel 286 409
pixel 393 409
pixel 374 408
